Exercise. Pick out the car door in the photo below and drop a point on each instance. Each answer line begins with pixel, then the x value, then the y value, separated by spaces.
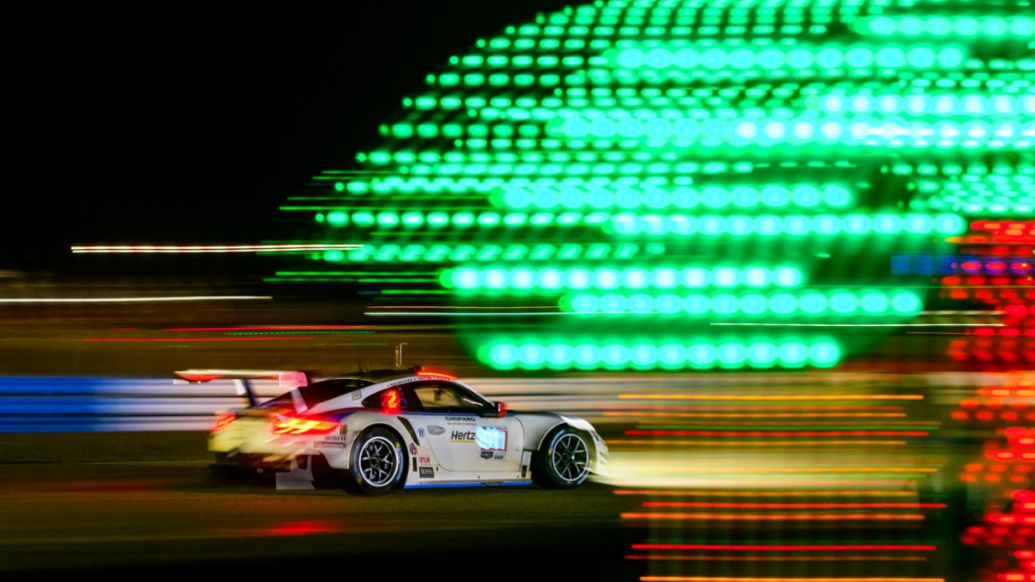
pixel 464 432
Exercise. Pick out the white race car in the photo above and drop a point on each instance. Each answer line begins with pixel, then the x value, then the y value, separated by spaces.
pixel 385 429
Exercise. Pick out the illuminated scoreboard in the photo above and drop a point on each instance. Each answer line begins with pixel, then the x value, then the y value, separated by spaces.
pixel 696 184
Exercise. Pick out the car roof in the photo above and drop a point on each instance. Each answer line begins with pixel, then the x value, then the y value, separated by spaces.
pixel 378 376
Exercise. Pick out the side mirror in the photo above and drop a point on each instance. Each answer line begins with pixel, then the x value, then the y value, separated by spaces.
pixel 501 409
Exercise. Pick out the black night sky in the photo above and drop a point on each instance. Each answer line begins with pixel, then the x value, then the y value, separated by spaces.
pixel 173 122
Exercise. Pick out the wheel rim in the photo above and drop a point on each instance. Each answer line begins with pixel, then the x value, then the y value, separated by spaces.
pixel 570 458
pixel 378 461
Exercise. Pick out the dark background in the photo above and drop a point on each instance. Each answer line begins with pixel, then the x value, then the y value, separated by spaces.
pixel 174 122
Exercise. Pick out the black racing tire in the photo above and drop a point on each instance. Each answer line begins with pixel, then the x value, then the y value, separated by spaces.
pixel 562 462
pixel 378 462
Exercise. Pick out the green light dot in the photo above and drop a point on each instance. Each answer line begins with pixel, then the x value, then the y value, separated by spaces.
pixel 503 356
pixel 793 354
pixel 615 356
pixel 586 356
pixel 671 356
pixel 787 277
pixel 905 302
pixel 874 302
pixel 843 303
pixel 337 218
pixel 783 304
pixel 643 356
pixel 531 356
pixel 702 355
pixel 725 277
pixel 762 355
pixel 559 356
pixel 731 355
pixel 824 354
pixel 668 304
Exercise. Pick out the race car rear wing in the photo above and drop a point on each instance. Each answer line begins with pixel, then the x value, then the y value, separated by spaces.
pixel 243 380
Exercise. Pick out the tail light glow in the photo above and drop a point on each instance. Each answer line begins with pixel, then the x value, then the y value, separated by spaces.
pixel 294 425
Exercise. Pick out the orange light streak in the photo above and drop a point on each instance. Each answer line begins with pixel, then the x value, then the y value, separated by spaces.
pixel 799 493
pixel 711 505
pixel 660 516
pixel 771 396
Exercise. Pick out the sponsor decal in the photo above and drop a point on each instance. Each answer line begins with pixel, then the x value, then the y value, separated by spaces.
pixel 486 455
pixel 424 460
pixel 499 456
pixel 420 431
pixel 413 449
pixel 434 429
pixel 427 473
pixel 491 438
pixel 357 394
pixel 330 444
pixel 462 436
pixel 460 419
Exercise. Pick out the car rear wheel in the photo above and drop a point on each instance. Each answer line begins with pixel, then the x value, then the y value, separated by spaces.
pixel 563 460
pixel 378 461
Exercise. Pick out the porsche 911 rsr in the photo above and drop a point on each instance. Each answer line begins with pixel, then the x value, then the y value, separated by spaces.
pixel 386 429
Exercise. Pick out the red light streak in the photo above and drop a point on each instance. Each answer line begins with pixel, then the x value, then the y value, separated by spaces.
pixel 787 547
pixel 728 579
pixel 838 558
pixel 433 374
pixel 301 528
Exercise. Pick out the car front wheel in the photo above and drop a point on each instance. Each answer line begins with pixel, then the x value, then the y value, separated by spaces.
pixel 378 461
pixel 563 460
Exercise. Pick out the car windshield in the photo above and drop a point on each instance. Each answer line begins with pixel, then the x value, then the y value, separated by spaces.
pixel 318 392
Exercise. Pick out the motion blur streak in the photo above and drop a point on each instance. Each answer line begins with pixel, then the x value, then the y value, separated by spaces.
pixel 841 433
pixel 784 493
pixel 632 442
pixel 709 505
pixel 763 415
pixel 777 517
pixel 169 299
pixel 698 558
pixel 200 249
pixel 788 547
pixel 725 579
pixel 777 397
pixel 196 339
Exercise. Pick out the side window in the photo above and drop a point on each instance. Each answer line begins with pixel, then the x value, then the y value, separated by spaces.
pixel 394 398
pixel 445 397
